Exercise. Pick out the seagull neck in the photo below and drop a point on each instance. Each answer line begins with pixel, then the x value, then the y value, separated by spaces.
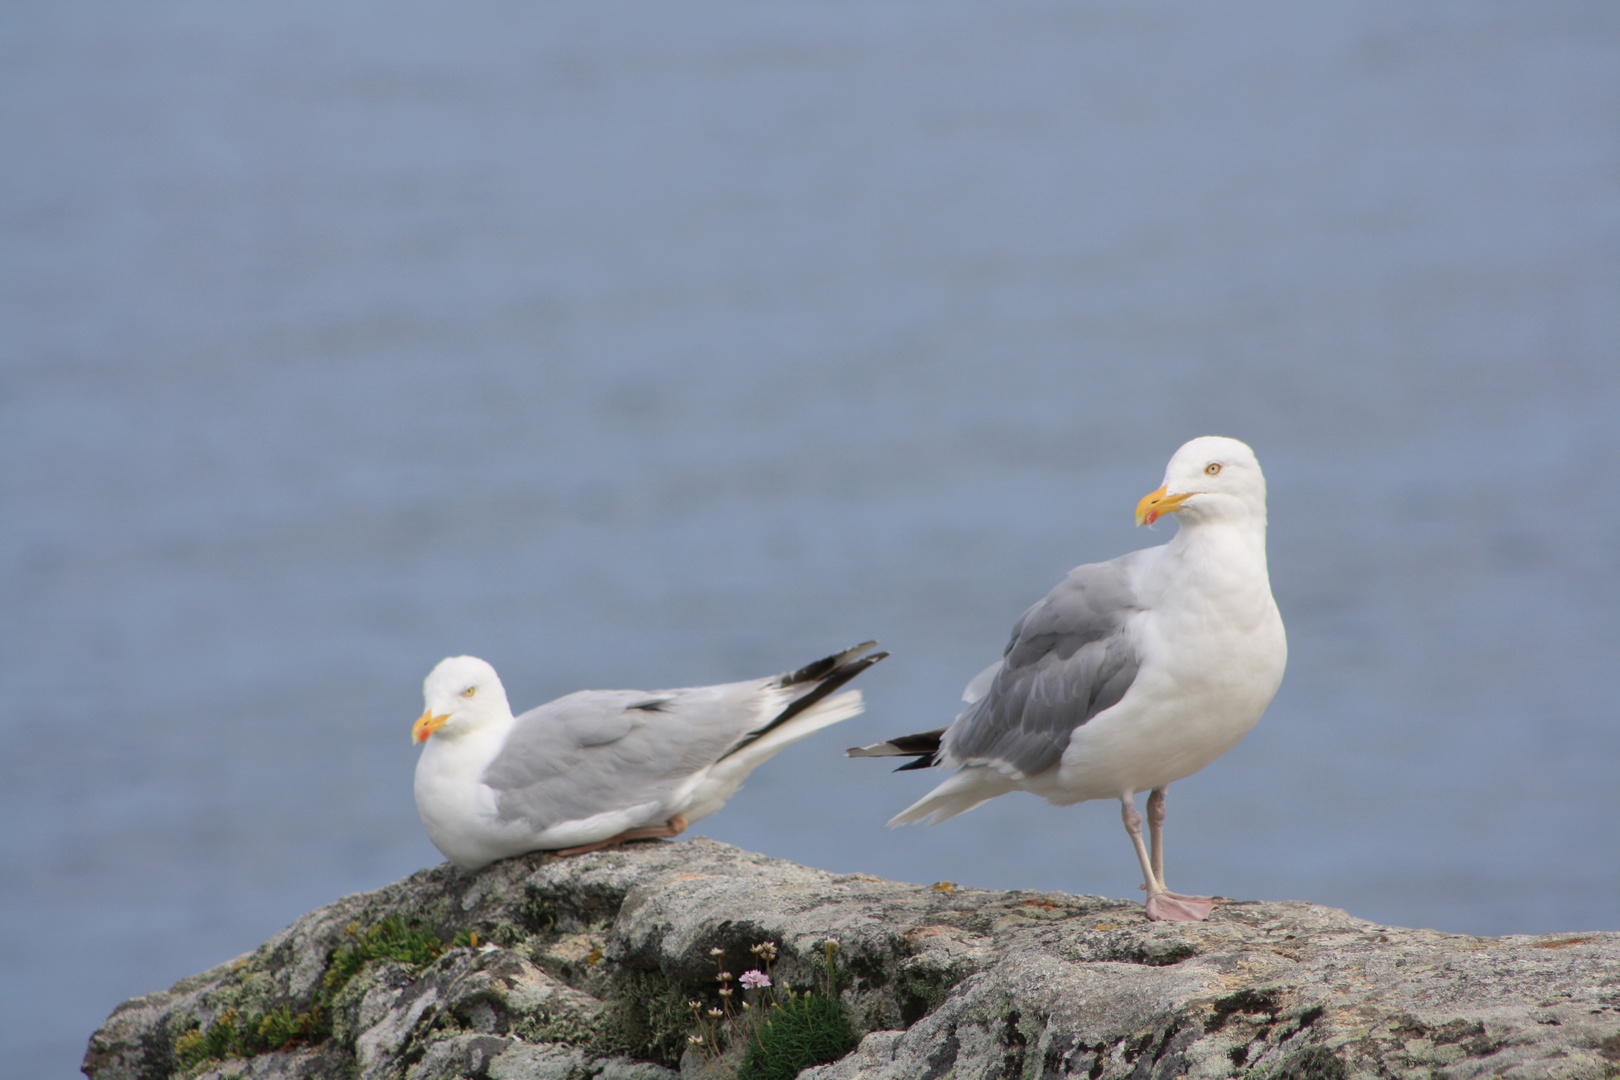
pixel 1232 545
pixel 480 743
pixel 1225 534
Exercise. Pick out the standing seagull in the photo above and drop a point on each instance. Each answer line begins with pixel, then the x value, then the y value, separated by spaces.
pixel 599 767
pixel 1132 673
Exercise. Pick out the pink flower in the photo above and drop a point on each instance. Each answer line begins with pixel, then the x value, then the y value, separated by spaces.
pixel 755 980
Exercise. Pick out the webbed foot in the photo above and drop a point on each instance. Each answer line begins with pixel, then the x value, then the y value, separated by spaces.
pixel 1174 907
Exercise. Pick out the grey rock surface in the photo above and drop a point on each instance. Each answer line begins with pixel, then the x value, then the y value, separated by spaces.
pixel 584 968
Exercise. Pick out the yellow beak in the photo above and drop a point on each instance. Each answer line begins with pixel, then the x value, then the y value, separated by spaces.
pixel 1156 504
pixel 427 724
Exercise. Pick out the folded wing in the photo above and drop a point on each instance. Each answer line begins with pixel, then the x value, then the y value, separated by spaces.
pixel 598 751
pixel 1070 657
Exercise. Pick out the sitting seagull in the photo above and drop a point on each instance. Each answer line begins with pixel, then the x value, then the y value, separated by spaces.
pixel 599 767
pixel 1132 673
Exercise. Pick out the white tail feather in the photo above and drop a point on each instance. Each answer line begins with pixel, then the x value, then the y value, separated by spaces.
pixel 834 710
pixel 721 781
pixel 972 786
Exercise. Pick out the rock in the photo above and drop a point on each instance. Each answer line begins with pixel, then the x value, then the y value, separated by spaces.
pixel 584 968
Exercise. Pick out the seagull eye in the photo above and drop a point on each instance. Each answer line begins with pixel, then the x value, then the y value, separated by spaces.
pixel 470 691
pixel 1212 468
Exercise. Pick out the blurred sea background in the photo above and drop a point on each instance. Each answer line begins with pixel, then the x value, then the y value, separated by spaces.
pixel 636 345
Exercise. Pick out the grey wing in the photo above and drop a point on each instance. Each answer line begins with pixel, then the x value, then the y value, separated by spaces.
pixel 1070 657
pixel 601 750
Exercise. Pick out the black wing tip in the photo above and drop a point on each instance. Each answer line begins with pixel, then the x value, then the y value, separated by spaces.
pixel 855 667
pixel 828 674
pixel 923 742
pixel 824 667
pixel 923 746
pixel 829 681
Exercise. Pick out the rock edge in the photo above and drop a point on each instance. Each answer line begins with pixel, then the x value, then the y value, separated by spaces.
pixel 585 966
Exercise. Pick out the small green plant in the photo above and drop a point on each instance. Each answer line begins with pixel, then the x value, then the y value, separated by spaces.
pixel 232 1036
pixel 806 1030
pixel 776 1032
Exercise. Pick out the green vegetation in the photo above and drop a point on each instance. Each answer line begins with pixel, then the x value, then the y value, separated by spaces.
pixel 233 1035
pixel 646 1018
pixel 230 1036
pixel 805 1030
pixel 758 1029
pixel 777 1033
pixel 390 939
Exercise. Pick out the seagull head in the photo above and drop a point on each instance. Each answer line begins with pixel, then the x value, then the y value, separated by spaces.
pixel 462 694
pixel 1209 478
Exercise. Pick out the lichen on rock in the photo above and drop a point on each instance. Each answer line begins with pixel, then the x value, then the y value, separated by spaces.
pixel 543 968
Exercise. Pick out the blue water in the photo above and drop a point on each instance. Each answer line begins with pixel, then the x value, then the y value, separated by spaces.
pixel 638 345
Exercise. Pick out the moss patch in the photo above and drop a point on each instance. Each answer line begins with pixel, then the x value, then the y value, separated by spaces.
pixel 390 939
pixel 648 1018
pixel 235 1034
pixel 922 988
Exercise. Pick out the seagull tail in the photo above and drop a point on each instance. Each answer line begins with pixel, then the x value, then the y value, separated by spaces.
pixel 762 746
pixel 923 747
pixel 824 676
pixel 966 789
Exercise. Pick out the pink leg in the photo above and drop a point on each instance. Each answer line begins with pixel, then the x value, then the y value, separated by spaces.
pixel 675 827
pixel 1155 816
pixel 1161 902
pixel 1133 825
